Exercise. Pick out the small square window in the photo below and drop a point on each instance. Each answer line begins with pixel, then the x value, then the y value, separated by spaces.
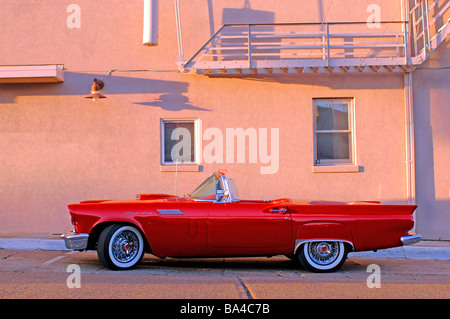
pixel 333 132
pixel 179 141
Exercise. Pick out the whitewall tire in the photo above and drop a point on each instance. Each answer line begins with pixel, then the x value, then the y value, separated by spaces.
pixel 322 256
pixel 120 246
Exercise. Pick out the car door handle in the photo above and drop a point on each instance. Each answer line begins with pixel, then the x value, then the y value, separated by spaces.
pixel 278 210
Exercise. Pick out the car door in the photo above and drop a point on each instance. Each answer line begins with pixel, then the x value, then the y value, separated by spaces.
pixel 177 228
pixel 249 227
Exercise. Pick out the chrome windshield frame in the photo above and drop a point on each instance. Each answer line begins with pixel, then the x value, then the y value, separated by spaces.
pixel 226 189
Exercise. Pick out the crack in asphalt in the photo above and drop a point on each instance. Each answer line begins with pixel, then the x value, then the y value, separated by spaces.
pixel 10 255
pixel 247 291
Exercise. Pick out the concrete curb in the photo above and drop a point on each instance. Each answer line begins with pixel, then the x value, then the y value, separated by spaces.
pixel 437 250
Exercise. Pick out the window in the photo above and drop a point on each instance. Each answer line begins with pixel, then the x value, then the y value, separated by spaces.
pixel 179 141
pixel 333 132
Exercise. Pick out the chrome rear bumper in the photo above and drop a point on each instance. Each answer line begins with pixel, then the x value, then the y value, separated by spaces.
pixel 75 241
pixel 410 239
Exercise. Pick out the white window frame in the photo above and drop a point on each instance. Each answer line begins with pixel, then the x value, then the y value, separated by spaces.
pixel 197 140
pixel 336 163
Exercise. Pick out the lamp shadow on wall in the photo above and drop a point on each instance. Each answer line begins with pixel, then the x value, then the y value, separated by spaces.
pixel 244 15
pixel 171 93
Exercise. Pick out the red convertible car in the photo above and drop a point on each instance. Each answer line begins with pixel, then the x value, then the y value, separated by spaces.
pixel 212 221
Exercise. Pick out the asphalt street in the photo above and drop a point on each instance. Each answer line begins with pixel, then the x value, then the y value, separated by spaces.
pixel 39 274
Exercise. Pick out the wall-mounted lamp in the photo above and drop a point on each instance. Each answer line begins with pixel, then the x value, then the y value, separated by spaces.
pixel 96 88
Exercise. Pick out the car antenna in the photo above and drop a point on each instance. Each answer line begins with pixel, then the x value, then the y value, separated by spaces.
pixel 176 175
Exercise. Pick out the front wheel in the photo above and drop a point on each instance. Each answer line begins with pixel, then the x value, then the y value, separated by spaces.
pixel 120 246
pixel 322 256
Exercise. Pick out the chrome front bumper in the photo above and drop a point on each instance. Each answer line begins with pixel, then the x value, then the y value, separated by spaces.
pixel 410 239
pixel 75 241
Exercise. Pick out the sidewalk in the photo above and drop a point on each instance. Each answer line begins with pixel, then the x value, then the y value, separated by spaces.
pixel 439 250
pixel 426 249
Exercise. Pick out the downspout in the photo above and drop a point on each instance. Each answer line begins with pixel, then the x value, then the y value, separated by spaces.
pixel 180 39
pixel 409 116
pixel 410 148
pixel 150 34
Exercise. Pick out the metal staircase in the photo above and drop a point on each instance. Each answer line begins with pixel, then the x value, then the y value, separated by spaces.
pixel 429 27
pixel 390 46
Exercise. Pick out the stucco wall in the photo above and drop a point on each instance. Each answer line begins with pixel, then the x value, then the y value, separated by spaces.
pixel 60 148
pixel 432 113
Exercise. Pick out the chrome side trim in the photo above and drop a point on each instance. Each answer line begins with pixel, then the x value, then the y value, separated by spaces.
pixel 75 241
pixel 299 242
pixel 170 212
pixel 410 239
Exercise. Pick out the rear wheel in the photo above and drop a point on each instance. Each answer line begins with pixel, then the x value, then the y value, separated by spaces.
pixel 322 256
pixel 120 246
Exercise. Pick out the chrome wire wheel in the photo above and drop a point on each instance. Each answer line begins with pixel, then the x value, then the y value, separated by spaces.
pixel 323 253
pixel 120 246
pixel 322 256
pixel 125 246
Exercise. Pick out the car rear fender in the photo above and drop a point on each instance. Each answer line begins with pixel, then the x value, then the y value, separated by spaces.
pixel 323 231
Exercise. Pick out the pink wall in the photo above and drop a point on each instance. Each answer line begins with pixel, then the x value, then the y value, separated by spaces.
pixel 432 112
pixel 60 148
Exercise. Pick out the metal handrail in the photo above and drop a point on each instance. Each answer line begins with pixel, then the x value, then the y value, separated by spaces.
pixel 260 42
pixel 421 24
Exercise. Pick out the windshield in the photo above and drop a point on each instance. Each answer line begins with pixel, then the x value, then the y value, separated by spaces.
pixel 209 188
pixel 233 189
